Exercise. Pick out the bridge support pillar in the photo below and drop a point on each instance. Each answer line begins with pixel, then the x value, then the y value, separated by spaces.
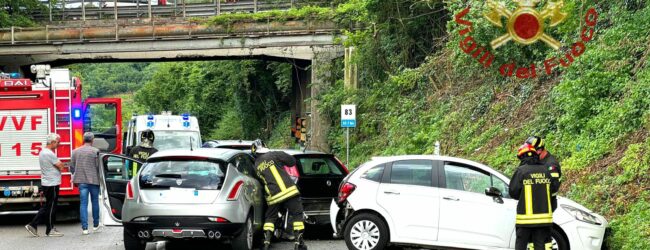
pixel 301 74
pixel 321 78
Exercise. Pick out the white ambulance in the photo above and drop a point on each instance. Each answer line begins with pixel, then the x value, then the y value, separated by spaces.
pixel 171 131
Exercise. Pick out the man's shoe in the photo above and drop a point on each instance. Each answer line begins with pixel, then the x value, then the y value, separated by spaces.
pixel 84 232
pixel 31 230
pixel 55 233
pixel 299 243
pixel 268 235
pixel 300 246
pixel 97 228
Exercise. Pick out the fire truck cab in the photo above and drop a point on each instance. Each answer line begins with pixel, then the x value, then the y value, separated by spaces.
pixel 29 110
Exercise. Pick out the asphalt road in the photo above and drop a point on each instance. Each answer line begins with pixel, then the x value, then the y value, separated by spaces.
pixel 13 236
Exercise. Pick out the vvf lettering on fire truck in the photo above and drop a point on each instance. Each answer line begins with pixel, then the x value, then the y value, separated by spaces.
pixel 29 111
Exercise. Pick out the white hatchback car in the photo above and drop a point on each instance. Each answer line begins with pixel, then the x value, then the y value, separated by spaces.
pixel 436 201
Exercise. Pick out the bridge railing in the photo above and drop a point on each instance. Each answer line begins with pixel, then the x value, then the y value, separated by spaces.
pixel 159 29
pixel 69 10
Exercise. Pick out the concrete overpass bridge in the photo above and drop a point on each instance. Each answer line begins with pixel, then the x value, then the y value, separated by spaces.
pixel 93 35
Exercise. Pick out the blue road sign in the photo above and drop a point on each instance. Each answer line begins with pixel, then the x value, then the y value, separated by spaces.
pixel 348 123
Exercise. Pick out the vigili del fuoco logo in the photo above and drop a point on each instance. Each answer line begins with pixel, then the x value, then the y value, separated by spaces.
pixel 526 24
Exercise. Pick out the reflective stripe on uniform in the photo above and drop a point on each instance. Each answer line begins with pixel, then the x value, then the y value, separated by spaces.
pixel 528 199
pixel 548 246
pixel 533 216
pixel 269 227
pixel 288 193
pixel 278 178
pixel 555 175
pixel 298 225
pixel 534 221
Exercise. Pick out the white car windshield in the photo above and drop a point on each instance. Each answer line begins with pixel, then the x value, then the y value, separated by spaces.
pixel 176 140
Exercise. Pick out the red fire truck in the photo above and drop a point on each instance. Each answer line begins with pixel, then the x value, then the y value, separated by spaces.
pixel 29 110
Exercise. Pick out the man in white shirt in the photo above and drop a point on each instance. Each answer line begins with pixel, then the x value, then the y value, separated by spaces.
pixel 51 168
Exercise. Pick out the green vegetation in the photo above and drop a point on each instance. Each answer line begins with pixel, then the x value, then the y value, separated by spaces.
pixel 418 87
pixel 17 12
pixel 305 13
pixel 231 99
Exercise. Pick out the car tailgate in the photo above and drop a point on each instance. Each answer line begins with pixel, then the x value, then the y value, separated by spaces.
pixel 178 196
pixel 320 176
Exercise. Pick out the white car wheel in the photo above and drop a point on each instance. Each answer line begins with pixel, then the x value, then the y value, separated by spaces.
pixel 365 235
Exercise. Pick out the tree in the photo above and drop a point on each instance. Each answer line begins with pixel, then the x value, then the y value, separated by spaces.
pixel 18 12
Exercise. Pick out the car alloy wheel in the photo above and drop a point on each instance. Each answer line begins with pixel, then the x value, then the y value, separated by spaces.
pixel 365 235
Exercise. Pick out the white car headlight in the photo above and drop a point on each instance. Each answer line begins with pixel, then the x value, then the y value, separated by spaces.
pixel 581 215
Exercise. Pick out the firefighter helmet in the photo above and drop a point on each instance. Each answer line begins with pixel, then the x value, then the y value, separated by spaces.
pixel 258 147
pixel 147 135
pixel 537 142
pixel 526 150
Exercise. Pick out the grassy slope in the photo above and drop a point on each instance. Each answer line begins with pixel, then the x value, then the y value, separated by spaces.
pixel 594 115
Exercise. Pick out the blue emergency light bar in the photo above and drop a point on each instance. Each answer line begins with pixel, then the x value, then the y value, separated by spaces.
pixel 150 122
pixel 14 75
pixel 186 120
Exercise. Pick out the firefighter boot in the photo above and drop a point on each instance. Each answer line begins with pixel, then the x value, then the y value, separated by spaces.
pixel 299 243
pixel 267 240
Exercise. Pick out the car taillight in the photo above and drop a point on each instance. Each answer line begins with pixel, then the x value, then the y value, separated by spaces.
pixel 292 171
pixel 129 191
pixel 343 165
pixel 234 192
pixel 218 219
pixel 345 191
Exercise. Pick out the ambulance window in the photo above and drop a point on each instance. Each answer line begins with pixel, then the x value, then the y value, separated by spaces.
pixel 100 119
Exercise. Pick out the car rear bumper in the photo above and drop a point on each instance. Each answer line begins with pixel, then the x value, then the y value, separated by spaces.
pixel 181 228
pixel 234 212
pixel 317 210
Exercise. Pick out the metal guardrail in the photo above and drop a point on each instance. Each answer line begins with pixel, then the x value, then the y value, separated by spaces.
pixel 100 9
pixel 171 29
pixel 121 23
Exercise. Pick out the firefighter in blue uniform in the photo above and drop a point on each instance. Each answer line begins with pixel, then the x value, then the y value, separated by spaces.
pixel 532 185
pixel 281 191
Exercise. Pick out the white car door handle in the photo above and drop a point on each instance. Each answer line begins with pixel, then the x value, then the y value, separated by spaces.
pixel 390 192
pixel 451 198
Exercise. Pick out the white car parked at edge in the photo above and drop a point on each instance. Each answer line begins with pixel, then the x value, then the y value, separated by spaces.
pixel 436 201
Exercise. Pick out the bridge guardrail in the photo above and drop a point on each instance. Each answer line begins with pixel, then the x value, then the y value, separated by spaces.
pixel 96 9
pixel 173 29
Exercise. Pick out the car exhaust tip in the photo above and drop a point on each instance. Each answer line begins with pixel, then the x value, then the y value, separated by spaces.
pixel 217 235
pixel 140 234
pixel 145 234
pixel 211 235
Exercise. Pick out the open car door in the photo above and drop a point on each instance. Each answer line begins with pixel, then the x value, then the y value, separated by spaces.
pixel 114 176
pixel 103 117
